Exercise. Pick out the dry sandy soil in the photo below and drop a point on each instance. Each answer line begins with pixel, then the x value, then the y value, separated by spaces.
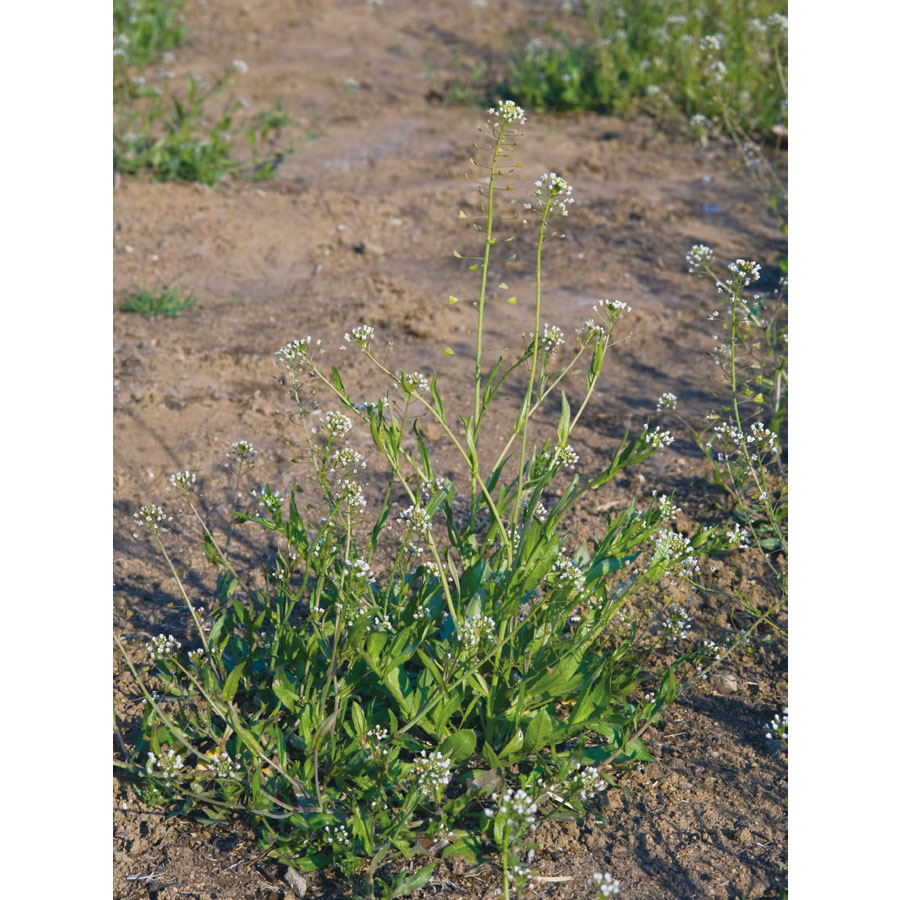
pixel 359 226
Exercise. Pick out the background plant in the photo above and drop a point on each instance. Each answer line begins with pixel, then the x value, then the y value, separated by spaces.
pixel 722 65
pixel 154 302
pixel 435 671
pixel 187 134
pixel 745 439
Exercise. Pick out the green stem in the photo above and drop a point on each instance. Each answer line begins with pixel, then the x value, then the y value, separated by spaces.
pixel 526 406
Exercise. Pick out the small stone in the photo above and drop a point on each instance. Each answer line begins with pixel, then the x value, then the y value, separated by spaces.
pixel 296 882
pixel 724 682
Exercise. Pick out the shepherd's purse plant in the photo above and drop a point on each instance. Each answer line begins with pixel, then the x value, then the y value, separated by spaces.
pixel 425 669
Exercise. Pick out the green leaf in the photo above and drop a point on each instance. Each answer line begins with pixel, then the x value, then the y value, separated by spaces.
pixel 336 381
pixel 231 683
pixel 459 746
pixel 359 720
pixel 409 883
pixel 601 567
pixel 538 732
pixel 448 351
pixel 513 746
pixel 466 847
pixel 284 690
pixel 564 421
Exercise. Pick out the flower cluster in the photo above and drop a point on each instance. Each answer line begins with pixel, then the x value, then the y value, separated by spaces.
pixel 674 552
pixel 677 624
pixel 182 481
pixel 338 836
pixel 431 772
pixel 588 782
pixel 432 486
pixel 417 519
pixel 569 573
pixel 361 335
pixel 590 330
pixel 432 568
pixel 414 382
pixel 777 729
pixel 378 745
pixel 752 154
pixel 337 424
pixel 362 567
pixel 606 885
pixel 558 193
pixel 521 878
pixel 369 406
pixel 349 492
pixel 152 518
pixel 699 257
pixel 474 628
pixel 656 438
pixel 240 67
pixel 552 338
pixel 507 111
pixel 162 645
pixel 738 537
pixel 667 401
pixel 268 499
pixel 167 764
pixel 561 457
pixel 745 270
pixel 614 309
pixel 667 509
pixel 516 810
pixel 348 459
pixel 243 451
pixel 762 437
pixel 223 766
pixel 294 353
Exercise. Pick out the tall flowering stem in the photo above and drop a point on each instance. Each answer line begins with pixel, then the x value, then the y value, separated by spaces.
pixel 489 242
pixel 526 406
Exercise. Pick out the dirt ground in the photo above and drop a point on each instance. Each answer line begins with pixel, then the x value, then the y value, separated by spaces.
pixel 360 226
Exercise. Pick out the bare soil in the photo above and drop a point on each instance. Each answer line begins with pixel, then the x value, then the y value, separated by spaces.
pixel 360 226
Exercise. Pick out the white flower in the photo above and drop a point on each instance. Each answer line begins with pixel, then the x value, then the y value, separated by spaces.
pixel 655 438
pixel 558 193
pixel 240 67
pixel 698 257
pixel 361 335
pixel 606 885
pixel 431 772
pixel 417 519
pixel 163 645
pixel 507 111
pixel 350 492
pixel 152 518
pixel 552 338
pixel 337 424
pixel 414 382
pixel 168 764
pixel 667 401
pixel 746 271
pixel 295 352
